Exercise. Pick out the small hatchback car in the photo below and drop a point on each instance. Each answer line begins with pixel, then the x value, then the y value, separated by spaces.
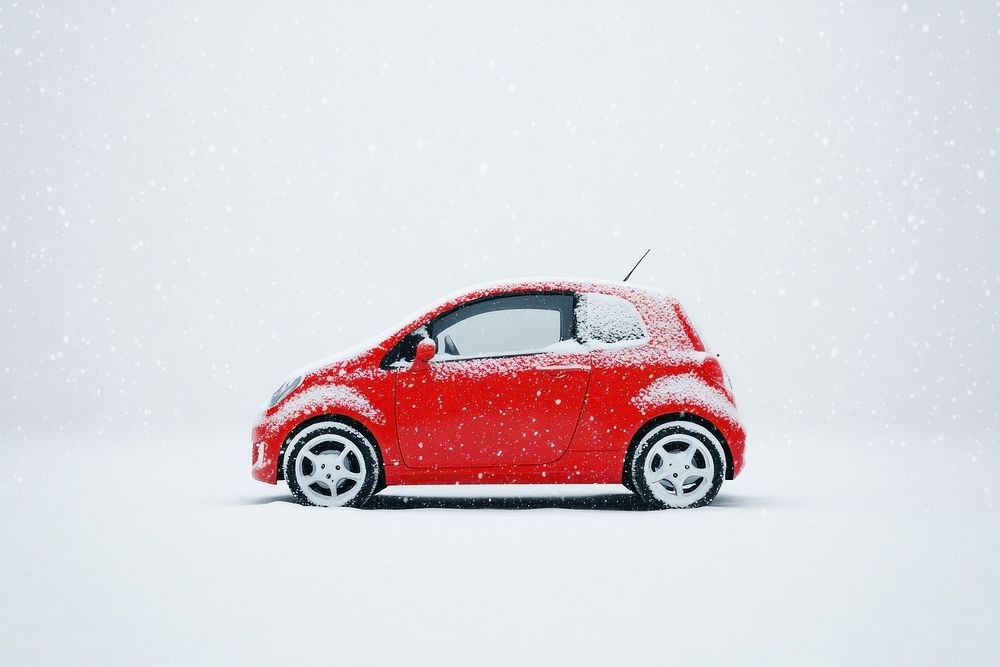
pixel 530 382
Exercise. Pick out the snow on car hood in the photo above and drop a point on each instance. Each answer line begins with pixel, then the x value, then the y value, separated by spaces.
pixel 329 365
pixel 338 358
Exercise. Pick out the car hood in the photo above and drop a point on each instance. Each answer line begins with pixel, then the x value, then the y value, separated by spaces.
pixel 350 360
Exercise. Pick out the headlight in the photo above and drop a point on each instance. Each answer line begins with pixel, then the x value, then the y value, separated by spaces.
pixel 284 390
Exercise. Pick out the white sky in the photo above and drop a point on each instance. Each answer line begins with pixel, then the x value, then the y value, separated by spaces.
pixel 197 199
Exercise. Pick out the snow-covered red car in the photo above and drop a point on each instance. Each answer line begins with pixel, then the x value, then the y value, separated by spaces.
pixel 527 382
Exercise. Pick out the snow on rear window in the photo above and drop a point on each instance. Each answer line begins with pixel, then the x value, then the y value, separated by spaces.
pixel 602 318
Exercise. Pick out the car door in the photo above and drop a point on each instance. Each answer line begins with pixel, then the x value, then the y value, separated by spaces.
pixel 506 386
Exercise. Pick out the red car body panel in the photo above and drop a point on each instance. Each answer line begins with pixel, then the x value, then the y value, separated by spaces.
pixel 481 413
pixel 566 416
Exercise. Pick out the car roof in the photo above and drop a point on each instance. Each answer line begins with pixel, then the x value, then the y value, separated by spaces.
pixel 545 284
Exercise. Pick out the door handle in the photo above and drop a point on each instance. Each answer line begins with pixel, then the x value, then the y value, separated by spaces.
pixel 563 372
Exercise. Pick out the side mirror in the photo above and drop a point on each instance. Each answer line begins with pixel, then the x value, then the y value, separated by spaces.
pixel 426 349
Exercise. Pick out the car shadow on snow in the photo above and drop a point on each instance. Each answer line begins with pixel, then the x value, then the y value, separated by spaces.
pixel 616 502
pixel 605 501
pixel 621 502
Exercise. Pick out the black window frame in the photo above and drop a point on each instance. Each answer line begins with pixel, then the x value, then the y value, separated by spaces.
pixel 405 349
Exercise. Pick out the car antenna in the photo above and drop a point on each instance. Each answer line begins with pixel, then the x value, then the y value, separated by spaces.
pixel 625 279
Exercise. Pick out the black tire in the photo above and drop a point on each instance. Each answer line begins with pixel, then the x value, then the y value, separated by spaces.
pixel 334 433
pixel 669 435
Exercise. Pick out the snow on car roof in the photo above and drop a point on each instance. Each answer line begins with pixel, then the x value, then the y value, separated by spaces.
pixel 555 283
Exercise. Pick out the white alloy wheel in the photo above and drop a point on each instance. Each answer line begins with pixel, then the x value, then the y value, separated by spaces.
pixel 327 466
pixel 678 466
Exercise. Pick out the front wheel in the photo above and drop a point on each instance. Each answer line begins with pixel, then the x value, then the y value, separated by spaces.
pixel 677 466
pixel 332 464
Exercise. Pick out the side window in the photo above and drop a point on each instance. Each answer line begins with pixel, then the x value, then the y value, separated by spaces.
pixel 606 319
pixel 504 326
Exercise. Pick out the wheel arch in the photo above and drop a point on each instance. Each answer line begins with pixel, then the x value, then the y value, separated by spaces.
pixel 682 416
pixel 331 417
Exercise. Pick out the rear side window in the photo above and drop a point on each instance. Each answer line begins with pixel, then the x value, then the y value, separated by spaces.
pixel 606 319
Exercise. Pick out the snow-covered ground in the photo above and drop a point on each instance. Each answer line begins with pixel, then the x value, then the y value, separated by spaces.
pixel 829 550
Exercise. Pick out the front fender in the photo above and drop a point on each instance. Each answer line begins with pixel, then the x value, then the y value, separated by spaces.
pixel 316 400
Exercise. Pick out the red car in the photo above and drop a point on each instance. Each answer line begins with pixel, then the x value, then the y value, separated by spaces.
pixel 533 382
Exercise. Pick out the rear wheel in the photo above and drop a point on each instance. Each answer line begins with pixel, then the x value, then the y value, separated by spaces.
pixel 677 465
pixel 332 464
